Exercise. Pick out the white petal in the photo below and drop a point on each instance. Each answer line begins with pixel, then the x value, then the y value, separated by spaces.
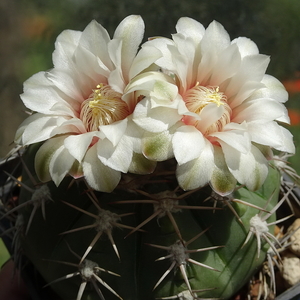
pixel 156 119
pixel 141 165
pixel 60 164
pixel 250 169
pixel 37 128
pixel 42 96
pixel 131 32
pixel 65 46
pixel 246 46
pixel 95 39
pixel 252 70
pixel 188 144
pixel 44 155
pixel 116 157
pixel 197 173
pixel 145 57
pixel 272 134
pixel 221 181
pixel 272 89
pixel 97 175
pixel 215 39
pixel 158 146
pixel 66 82
pixel 190 28
pixel 78 144
pixel 210 114
pixel 114 132
pixel 226 66
pixel 260 109
pixel 235 136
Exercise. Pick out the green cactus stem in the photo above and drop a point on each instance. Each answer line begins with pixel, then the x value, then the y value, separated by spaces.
pixel 160 241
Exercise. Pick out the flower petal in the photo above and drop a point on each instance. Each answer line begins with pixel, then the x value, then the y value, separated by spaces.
pixel 272 134
pixel 190 28
pixel 131 32
pixel 44 155
pixel 77 145
pixel 27 132
pixel 249 168
pixel 116 157
pixel 141 165
pixel 221 181
pixel 97 175
pixel 158 146
pixel 246 46
pixel 188 143
pixel 60 164
pixel 114 132
pixel 197 173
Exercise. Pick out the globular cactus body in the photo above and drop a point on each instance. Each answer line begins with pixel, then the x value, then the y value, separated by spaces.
pixel 57 253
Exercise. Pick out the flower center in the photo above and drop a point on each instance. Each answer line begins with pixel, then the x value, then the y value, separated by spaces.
pixel 198 97
pixel 103 107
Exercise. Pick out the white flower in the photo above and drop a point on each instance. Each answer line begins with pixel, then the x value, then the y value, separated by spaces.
pixel 81 109
pixel 225 113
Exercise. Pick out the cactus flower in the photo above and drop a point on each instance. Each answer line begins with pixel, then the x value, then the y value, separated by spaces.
pixel 227 119
pixel 81 110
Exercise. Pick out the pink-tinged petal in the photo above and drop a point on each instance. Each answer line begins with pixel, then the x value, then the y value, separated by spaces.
pixel 190 28
pixel 97 175
pixel 197 173
pixel 116 157
pixel 141 165
pixel 114 131
pixel 221 181
pixel 235 135
pixel 44 155
pixel 249 168
pixel 60 164
pixel 188 143
pixel 246 46
pixel 37 128
pixel 77 145
pixel 131 32
pixel 272 134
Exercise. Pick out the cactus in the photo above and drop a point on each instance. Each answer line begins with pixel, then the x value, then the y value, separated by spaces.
pixel 138 185
pixel 187 245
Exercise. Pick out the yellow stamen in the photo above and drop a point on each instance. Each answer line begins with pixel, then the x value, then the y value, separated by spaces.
pixel 103 107
pixel 198 97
